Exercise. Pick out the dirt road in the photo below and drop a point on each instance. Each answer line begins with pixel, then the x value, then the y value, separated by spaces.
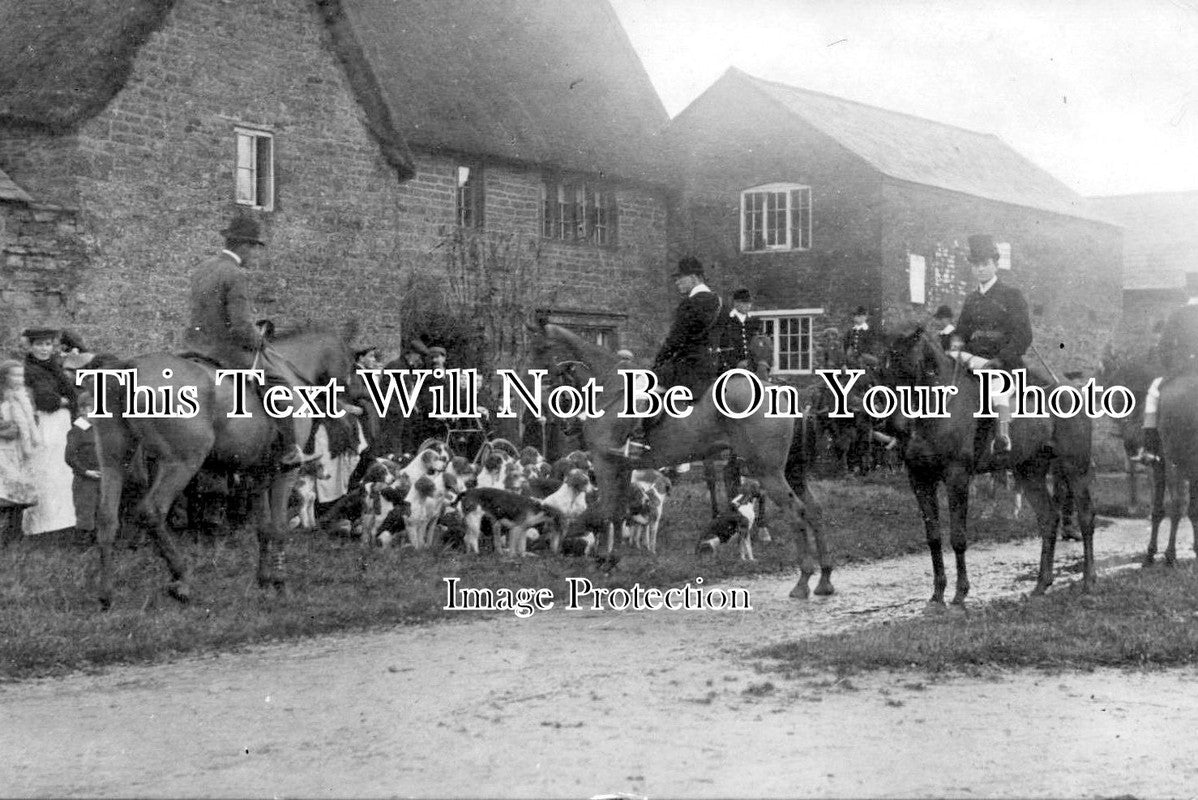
pixel 579 703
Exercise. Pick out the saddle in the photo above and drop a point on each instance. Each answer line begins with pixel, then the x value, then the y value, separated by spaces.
pixel 203 359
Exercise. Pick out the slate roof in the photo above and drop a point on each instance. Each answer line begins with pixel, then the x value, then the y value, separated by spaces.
pixel 1160 236
pixel 922 151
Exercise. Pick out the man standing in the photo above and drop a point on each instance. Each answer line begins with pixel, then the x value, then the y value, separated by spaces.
pixel 994 326
pixel 224 328
pixel 1178 351
pixel 858 342
pixel 737 332
pixel 685 357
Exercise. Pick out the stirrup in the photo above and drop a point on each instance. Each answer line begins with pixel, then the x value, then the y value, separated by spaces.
pixel 632 449
pixel 1145 457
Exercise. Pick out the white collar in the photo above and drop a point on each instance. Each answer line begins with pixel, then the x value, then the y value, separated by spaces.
pixel 236 258
pixel 988 285
pixel 83 424
pixel 949 328
pixel 701 287
pixel 739 316
pixel 864 326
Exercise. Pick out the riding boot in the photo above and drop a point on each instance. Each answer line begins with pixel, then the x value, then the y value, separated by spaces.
pixel 1002 438
pixel 293 455
pixel 1151 451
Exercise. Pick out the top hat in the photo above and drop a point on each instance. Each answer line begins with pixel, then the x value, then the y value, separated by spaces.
pixel 243 229
pixel 861 311
pixel 742 296
pixel 36 334
pixel 982 248
pixel 689 266
pixel 943 312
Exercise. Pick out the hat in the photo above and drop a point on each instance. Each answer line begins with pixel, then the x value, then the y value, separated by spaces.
pixel 73 341
pixel 861 311
pixel 243 229
pixel 944 312
pixel 34 334
pixel 359 353
pixel 625 354
pixel 689 266
pixel 741 296
pixel 436 351
pixel 981 248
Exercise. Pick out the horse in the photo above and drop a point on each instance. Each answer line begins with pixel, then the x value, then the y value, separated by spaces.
pixel 1178 424
pixel 945 450
pixel 762 443
pixel 178 446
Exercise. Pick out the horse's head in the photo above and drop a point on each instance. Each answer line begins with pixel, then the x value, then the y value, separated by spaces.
pixel 913 357
pixel 318 354
pixel 569 358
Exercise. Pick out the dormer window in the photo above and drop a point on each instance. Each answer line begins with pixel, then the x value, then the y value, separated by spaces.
pixel 774 217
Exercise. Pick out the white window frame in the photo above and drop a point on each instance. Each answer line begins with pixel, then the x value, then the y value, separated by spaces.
pixel 248 182
pixel 1004 254
pixel 775 316
pixel 788 244
pixel 470 195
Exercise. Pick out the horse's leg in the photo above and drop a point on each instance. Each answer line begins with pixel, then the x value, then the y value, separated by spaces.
pixel 1133 493
pixel 1032 480
pixel 1080 489
pixel 957 488
pixel 270 509
pixel 171 478
pixel 1177 485
pixel 794 512
pixel 1193 509
pixel 1158 510
pixel 923 485
pixel 710 478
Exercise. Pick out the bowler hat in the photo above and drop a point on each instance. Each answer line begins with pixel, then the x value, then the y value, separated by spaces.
pixel 243 229
pixel 861 311
pixel 689 266
pixel 625 354
pixel 982 248
pixel 36 334
pixel 363 351
pixel 741 296
pixel 73 341
pixel 944 312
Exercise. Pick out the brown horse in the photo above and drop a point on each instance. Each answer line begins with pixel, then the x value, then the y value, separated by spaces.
pixel 177 447
pixel 946 450
pixel 761 443
pixel 1178 423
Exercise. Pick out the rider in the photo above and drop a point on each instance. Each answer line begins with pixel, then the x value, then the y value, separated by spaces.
pixel 224 328
pixel 685 357
pixel 994 325
pixel 736 333
pixel 859 340
pixel 1178 350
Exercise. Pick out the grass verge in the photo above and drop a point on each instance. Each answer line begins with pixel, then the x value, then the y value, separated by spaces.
pixel 1134 618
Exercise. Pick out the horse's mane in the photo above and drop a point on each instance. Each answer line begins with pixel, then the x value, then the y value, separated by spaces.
pixel 599 359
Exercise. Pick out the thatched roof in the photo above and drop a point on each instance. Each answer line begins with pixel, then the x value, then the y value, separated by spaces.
pixel 542 82
pixel 65 60
pixel 10 191
pixel 921 151
pixel 1160 236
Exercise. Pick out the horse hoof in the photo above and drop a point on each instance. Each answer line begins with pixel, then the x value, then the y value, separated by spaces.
pixel 800 592
pixel 935 607
pixel 105 603
pixel 1170 560
pixel 1149 560
pixel 824 589
pixel 1040 589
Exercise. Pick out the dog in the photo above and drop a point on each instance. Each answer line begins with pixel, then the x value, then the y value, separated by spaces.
pixel 649 491
pixel 304 492
pixel 738 522
pixel 505 510
pixel 569 502
pixel 426 500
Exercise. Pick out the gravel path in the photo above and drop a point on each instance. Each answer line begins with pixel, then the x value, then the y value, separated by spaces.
pixel 579 703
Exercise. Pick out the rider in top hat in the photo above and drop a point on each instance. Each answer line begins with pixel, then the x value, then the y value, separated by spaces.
pixel 224 326
pixel 994 326
pixel 685 356
pixel 858 341
pixel 1178 351
pixel 737 332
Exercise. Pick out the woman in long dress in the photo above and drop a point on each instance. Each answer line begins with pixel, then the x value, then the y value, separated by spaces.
pixel 19 440
pixel 54 402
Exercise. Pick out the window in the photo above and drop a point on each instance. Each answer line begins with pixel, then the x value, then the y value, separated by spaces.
pixel 469 195
pixel 917 268
pixel 578 211
pixel 594 327
pixel 775 217
pixel 793 343
pixel 255 169
pixel 1004 254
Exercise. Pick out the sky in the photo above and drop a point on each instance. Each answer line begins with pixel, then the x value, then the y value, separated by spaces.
pixel 1103 94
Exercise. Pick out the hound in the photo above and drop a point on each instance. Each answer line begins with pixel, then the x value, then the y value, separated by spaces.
pixel 304 491
pixel 738 522
pixel 508 511
pixel 649 491
pixel 570 503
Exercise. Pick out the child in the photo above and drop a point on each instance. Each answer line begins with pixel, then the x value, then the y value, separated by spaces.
pixel 19 439
pixel 84 461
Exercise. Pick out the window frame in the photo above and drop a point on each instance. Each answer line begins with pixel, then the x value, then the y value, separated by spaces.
pixel 783 219
pixel 256 137
pixel 470 198
pixel 774 316
pixel 578 210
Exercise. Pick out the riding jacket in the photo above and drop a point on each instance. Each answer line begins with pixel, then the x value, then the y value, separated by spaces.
pixel 996 324
pixel 222 314
pixel 1178 346
pixel 735 336
pixel 685 357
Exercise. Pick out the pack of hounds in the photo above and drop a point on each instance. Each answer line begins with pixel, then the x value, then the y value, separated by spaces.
pixel 511 502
